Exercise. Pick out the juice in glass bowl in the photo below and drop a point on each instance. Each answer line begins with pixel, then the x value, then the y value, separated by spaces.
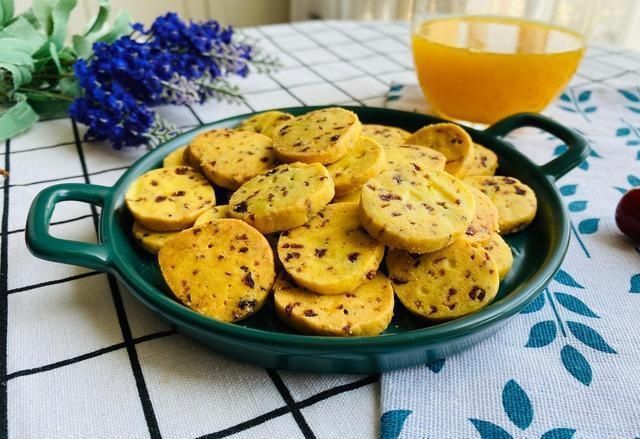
pixel 481 69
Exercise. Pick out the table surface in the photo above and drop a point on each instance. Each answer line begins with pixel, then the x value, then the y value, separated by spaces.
pixel 81 358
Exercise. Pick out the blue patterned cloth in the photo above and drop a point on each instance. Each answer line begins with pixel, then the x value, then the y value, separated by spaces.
pixel 569 364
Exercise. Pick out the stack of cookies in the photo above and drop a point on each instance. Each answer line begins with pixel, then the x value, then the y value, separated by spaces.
pixel 315 202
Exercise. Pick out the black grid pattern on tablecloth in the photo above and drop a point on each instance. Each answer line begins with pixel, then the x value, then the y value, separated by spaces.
pixel 324 63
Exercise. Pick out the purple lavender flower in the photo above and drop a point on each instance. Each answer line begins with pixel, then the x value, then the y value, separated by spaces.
pixel 172 62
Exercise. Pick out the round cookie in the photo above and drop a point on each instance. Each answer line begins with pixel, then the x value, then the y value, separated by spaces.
pixel 365 160
pixel 149 240
pixel 485 221
pixel 200 143
pixel 450 140
pixel 175 158
pixel 516 202
pixel 351 197
pixel 322 136
pixel 169 199
pixel 416 156
pixel 330 254
pixel 365 311
pixel 386 136
pixel 419 211
pixel 450 283
pixel 264 123
pixel 500 252
pixel 223 269
pixel 283 198
pixel 237 157
pixel 216 212
pixel 485 162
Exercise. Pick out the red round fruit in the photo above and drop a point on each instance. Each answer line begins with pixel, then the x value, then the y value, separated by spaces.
pixel 628 214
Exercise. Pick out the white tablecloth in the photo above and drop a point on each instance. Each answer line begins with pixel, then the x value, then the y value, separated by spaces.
pixel 81 358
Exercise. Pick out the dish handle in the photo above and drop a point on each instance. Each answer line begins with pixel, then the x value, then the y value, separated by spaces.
pixel 45 246
pixel 577 147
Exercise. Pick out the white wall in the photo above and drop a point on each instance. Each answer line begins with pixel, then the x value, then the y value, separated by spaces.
pixel 234 12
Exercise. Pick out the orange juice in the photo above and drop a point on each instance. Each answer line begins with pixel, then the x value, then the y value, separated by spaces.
pixel 481 69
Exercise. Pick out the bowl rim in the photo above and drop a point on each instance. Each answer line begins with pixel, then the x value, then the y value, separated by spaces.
pixel 506 307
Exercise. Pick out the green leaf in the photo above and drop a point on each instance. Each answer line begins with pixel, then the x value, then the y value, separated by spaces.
pixel 20 75
pixel 69 87
pixel 41 10
pixel 6 10
pixel 22 30
pixel 54 56
pixel 60 17
pixel 82 46
pixel 100 19
pixel 121 26
pixel 17 119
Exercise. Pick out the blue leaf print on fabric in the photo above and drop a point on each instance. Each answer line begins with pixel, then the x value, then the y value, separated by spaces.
pixel 436 365
pixel 542 334
pixel 576 364
pixel 565 279
pixel 633 142
pixel 621 189
pixel 593 153
pixel 565 97
pixel 559 149
pixel 629 95
pixel 633 180
pixel 568 189
pixel 584 165
pixel 569 109
pixel 559 433
pixel 535 305
pixel 589 337
pixel 584 96
pixel 634 109
pixel 635 284
pixel 575 305
pixel 517 405
pixel 589 226
pixel 489 430
pixel 590 109
pixel 638 158
pixel 624 131
pixel 391 423
pixel 577 206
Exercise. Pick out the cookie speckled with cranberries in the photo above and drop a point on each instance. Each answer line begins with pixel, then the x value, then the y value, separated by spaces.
pixel 516 202
pixel 200 143
pixel 386 136
pixel 175 158
pixel 450 283
pixel 223 269
pixel 235 158
pixel 216 212
pixel 485 162
pixel 149 240
pixel 415 156
pixel 264 123
pixel 365 311
pixel 332 253
pixel 419 211
pixel 283 198
pixel 169 199
pixel 450 140
pixel 485 221
pixel 322 136
pixel 500 252
pixel 365 160
pixel 351 197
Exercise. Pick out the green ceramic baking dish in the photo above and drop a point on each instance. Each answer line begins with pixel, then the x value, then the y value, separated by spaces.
pixel 262 339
